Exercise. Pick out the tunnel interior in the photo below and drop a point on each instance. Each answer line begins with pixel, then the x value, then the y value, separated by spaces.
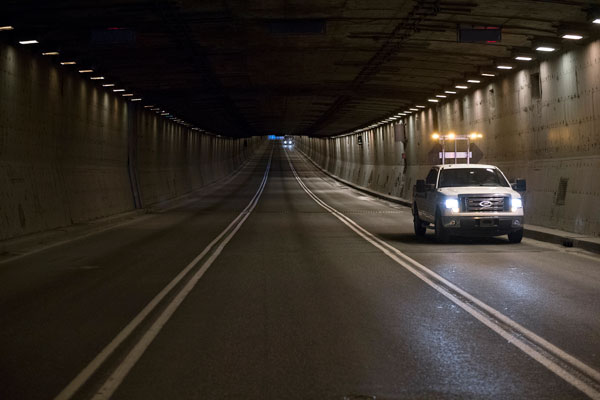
pixel 152 99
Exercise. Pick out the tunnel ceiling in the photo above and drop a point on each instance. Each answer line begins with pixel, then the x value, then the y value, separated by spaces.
pixel 311 67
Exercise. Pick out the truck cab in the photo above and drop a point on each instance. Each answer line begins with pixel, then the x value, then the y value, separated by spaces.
pixel 468 200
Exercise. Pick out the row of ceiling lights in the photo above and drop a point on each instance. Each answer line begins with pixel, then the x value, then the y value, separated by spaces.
pixel 503 66
pixel 110 86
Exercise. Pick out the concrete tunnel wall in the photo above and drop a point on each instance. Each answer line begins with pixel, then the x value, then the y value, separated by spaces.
pixel 71 151
pixel 549 136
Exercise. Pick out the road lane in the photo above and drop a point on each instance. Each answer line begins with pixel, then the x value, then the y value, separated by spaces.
pixel 61 306
pixel 550 290
pixel 299 306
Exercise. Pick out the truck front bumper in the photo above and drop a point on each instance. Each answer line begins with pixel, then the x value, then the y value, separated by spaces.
pixel 482 225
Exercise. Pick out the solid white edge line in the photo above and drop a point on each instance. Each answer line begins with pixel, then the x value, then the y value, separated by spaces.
pixel 392 252
pixel 93 366
pixel 119 374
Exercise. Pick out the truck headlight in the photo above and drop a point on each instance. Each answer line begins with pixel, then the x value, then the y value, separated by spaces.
pixel 452 204
pixel 515 204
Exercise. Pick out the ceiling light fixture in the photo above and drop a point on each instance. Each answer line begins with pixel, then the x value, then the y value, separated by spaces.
pixel 136 99
pixel 85 71
pixel 118 90
pixel 68 63
pixel 487 74
pixel 572 37
pixel 523 58
pixel 148 106
pixel 545 49
pixel 127 95
pixel 433 100
pixel 474 81
pixel 596 21
pixel 420 106
pixel 413 109
pixel 461 87
pixel 504 67
pixel 50 53
pixel 108 85
pixel 450 91
pixel 96 78
pixel 441 96
pixel 6 28
pixel 28 42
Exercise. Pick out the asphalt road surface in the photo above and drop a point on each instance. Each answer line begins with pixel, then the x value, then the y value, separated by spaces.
pixel 281 283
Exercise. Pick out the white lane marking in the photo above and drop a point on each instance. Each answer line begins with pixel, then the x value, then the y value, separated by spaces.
pixel 93 366
pixel 575 370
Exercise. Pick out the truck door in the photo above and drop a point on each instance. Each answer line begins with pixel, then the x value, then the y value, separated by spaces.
pixel 429 201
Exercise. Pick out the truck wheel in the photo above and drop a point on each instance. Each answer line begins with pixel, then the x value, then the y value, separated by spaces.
pixel 420 228
pixel 441 234
pixel 516 236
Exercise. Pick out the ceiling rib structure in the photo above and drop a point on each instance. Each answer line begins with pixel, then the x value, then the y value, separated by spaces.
pixel 320 68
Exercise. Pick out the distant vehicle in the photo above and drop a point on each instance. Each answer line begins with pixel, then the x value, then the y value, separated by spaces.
pixel 468 200
pixel 288 140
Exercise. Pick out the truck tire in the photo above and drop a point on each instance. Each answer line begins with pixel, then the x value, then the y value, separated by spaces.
pixel 516 236
pixel 441 234
pixel 420 228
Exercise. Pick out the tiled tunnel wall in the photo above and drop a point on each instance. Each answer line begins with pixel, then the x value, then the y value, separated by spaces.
pixel 540 123
pixel 72 152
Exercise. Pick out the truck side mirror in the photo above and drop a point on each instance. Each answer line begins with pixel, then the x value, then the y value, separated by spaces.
pixel 420 187
pixel 520 185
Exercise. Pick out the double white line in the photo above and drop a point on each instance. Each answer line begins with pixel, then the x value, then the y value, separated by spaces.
pixel 121 371
pixel 569 368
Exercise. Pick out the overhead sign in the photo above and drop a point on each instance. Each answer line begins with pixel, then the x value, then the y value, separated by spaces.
pixel 479 34
pixel 113 36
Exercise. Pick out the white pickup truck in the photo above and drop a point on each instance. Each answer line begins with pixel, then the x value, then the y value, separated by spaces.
pixel 468 200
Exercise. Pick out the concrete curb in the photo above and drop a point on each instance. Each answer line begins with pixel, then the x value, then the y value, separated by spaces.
pixel 566 239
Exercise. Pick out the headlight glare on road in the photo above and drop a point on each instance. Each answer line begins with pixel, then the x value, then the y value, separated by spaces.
pixel 452 204
pixel 515 204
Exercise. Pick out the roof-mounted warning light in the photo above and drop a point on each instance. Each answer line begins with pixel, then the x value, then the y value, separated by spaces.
pixel 451 136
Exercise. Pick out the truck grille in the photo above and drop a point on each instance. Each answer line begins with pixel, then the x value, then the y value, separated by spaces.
pixel 483 203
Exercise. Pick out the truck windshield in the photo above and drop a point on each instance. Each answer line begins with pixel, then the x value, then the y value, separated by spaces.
pixel 471 177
